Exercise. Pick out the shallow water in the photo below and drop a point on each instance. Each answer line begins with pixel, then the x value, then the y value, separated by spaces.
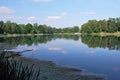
pixel 94 54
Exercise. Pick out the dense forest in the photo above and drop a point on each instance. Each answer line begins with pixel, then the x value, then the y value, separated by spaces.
pixel 9 27
pixel 93 26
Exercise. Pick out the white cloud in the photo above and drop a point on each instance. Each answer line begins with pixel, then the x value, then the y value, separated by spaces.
pixel 32 18
pixel 6 10
pixel 49 18
pixel 88 13
pixel 41 0
pixel 64 52
pixel 9 17
pixel 63 14
pixel 53 18
pixel 18 18
pixel 54 48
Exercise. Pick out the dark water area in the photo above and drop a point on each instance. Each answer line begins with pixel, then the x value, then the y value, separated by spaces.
pixel 94 54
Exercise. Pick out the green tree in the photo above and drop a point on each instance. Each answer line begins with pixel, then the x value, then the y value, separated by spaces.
pixel 29 28
pixel 1 27
pixel 92 26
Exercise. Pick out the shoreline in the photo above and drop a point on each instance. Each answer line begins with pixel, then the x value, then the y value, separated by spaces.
pixel 92 34
pixel 52 71
pixel 103 34
pixel 16 35
pixel 61 72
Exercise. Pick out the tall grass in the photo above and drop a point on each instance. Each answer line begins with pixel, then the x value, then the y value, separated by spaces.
pixel 11 69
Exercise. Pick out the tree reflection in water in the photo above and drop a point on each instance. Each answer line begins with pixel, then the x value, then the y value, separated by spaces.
pixel 110 42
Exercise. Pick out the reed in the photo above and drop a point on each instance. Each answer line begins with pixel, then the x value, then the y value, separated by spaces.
pixel 11 69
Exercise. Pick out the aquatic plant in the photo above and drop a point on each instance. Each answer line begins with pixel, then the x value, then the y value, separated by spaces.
pixel 12 69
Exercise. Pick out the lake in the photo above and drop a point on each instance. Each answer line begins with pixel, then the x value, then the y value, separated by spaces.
pixel 93 54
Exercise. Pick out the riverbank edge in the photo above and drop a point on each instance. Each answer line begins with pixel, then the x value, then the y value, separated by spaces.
pixel 103 34
pixel 93 34
pixel 49 66
pixel 15 35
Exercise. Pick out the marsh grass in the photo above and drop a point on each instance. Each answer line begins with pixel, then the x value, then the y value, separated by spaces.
pixel 11 69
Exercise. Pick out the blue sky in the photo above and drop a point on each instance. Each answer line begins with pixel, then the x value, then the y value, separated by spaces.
pixel 58 13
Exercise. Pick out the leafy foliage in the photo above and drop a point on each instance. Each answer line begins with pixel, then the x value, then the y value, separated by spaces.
pixel 94 26
pixel 14 28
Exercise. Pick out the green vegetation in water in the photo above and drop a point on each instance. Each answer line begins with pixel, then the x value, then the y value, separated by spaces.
pixel 11 69
pixel 20 68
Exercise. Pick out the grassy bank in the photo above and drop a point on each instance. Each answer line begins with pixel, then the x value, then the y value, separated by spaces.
pixel 103 34
pixel 99 34
pixel 110 34
pixel 14 35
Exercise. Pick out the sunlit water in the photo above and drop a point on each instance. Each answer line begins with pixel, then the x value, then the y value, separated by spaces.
pixel 93 54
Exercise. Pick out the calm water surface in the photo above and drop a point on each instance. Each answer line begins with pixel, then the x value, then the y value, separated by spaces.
pixel 93 54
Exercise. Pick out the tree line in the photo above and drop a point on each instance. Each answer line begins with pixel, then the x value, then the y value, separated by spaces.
pixel 9 27
pixel 93 26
